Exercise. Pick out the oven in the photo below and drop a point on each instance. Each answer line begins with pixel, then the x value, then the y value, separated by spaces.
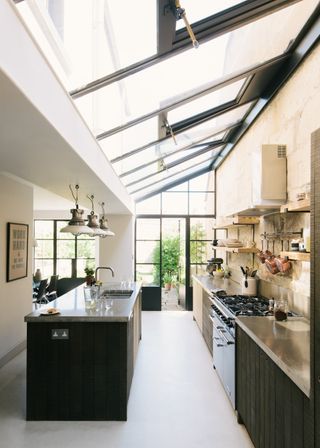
pixel 224 353
pixel 224 309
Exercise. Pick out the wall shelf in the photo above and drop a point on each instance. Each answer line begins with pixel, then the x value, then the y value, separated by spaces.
pixel 297 206
pixel 238 250
pixel 238 221
pixel 296 256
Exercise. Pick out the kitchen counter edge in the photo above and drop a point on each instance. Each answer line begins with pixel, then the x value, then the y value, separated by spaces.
pixel 121 310
pixel 278 348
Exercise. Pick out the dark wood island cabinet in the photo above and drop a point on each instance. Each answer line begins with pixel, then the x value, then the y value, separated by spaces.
pixel 80 364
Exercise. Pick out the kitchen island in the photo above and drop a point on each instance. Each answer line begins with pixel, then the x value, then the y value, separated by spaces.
pixel 80 362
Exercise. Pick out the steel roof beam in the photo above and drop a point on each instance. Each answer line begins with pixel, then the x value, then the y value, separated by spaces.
pixel 188 146
pixel 173 184
pixel 171 175
pixel 229 19
pixel 205 147
pixel 171 165
pixel 199 92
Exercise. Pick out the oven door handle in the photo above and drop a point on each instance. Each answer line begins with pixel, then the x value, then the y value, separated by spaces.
pixel 214 325
pixel 224 338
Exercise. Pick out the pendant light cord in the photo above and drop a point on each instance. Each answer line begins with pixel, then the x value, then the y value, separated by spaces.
pixel 75 195
pixel 91 198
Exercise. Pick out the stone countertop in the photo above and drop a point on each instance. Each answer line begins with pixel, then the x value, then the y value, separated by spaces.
pixel 72 307
pixel 287 343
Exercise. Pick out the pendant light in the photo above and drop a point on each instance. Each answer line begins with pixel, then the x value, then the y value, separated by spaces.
pixel 104 222
pixel 93 221
pixel 76 225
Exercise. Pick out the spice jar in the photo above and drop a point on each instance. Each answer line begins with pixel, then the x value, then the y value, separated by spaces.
pixel 281 309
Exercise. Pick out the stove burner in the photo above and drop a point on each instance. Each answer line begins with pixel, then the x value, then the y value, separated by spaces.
pixel 240 305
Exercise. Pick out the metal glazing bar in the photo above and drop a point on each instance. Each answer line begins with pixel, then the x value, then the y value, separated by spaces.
pixel 215 25
pixel 166 167
pixel 227 21
pixel 173 184
pixel 196 93
pixel 206 148
pixel 168 177
pixel 300 47
pixel 159 141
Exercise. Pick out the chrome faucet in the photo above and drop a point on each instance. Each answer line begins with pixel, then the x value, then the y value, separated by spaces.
pixel 103 267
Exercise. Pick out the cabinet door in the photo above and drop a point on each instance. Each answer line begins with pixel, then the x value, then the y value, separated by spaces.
pixel 136 327
pixel 197 303
pixel 274 410
pixel 207 328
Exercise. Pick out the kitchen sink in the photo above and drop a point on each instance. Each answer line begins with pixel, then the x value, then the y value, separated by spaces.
pixel 117 293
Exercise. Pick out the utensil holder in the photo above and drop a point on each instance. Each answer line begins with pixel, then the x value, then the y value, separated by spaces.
pixel 249 286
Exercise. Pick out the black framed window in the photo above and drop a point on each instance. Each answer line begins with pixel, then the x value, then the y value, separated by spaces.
pixel 194 202
pixel 59 253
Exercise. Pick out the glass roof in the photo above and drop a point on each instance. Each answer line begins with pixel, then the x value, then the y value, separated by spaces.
pixel 197 11
pixel 183 140
pixel 169 117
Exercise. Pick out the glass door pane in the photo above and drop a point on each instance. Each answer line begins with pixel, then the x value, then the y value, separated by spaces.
pixel 173 263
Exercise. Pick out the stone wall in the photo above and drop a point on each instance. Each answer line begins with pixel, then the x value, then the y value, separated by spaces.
pixel 289 119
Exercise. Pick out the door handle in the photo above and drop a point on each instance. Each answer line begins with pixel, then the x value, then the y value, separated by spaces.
pixel 224 338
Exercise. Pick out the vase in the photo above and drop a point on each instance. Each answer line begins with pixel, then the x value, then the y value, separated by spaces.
pixel 37 276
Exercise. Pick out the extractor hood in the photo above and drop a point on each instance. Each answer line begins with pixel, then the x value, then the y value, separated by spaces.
pixel 269 181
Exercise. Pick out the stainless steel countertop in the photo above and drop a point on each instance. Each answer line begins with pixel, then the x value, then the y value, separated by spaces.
pixel 208 283
pixel 286 343
pixel 72 308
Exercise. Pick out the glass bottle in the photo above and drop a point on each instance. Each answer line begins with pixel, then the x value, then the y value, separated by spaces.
pixel 281 309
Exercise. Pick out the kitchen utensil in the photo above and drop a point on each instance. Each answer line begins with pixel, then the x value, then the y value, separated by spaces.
pixel 253 273
pixel 271 265
pixel 243 271
pixel 249 286
pixel 283 264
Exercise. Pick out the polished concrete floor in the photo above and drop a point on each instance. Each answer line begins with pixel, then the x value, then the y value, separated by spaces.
pixel 176 399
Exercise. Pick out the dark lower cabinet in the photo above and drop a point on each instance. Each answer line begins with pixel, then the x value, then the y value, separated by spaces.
pixel 207 328
pixel 86 373
pixel 274 410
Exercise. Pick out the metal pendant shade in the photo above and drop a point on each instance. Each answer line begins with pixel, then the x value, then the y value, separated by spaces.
pixel 76 225
pixel 93 221
pixel 104 222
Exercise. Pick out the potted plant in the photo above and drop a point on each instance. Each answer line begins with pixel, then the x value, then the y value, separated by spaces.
pixel 89 275
pixel 167 279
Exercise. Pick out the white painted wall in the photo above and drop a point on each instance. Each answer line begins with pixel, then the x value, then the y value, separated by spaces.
pixel 118 251
pixel 15 297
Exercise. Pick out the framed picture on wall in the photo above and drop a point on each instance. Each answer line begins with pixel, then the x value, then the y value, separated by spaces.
pixel 17 251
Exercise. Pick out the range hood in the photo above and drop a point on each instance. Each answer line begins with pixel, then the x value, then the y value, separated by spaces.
pixel 269 181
